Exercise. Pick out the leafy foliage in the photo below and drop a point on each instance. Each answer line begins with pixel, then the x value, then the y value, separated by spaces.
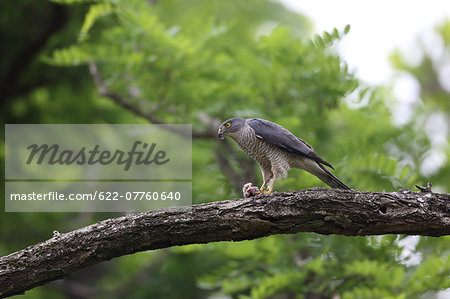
pixel 184 60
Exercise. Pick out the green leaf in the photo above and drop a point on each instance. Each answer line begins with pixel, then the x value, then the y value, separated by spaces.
pixel 95 11
pixel 319 42
pixel 347 29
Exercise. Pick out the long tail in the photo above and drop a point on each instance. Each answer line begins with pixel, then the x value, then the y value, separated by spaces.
pixel 330 179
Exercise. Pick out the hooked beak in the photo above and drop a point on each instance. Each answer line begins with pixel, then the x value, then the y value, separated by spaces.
pixel 220 134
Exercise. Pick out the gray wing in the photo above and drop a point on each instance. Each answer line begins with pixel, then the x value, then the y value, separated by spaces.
pixel 282 138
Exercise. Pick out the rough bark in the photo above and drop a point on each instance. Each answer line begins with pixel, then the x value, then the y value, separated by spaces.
pixel 324 211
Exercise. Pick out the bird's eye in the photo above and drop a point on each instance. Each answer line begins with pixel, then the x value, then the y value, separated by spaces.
pixel 227 125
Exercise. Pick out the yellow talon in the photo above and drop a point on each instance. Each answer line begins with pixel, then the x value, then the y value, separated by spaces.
pixel 265 192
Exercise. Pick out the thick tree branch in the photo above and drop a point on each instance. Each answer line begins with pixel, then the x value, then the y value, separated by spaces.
pixel 103 90
pixel 319 210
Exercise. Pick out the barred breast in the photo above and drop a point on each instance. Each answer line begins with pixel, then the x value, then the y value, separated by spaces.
pixel 267 155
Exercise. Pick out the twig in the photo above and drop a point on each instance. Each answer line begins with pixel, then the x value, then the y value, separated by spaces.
pixel 426 189
pixel 103 90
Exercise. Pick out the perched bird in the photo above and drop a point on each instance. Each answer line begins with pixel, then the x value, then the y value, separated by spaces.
pixel 276 150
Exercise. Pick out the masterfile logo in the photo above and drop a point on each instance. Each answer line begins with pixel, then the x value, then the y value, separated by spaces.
pixel 53 155
pixel 97 168
pixel 98 152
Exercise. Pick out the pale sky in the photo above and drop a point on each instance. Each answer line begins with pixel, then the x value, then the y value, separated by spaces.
pixel 377 28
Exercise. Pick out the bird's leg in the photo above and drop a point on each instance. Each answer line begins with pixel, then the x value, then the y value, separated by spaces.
pixel 263 187
pixel 267 175
pixel 272 182
pixel 264 191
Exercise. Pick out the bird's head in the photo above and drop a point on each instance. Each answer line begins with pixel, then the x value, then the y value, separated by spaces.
pixel 230 127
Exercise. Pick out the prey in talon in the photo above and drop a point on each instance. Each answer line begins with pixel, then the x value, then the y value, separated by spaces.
pixel 276 150
pixel 249 190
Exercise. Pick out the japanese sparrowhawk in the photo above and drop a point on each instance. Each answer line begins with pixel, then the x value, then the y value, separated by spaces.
pixel 276 150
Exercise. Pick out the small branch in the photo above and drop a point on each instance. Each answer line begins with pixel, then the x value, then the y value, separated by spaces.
pixel 104 91
pixel 324 211
pixel 426 189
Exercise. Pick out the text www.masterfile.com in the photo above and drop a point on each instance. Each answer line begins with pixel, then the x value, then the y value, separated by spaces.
pixel 98 195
